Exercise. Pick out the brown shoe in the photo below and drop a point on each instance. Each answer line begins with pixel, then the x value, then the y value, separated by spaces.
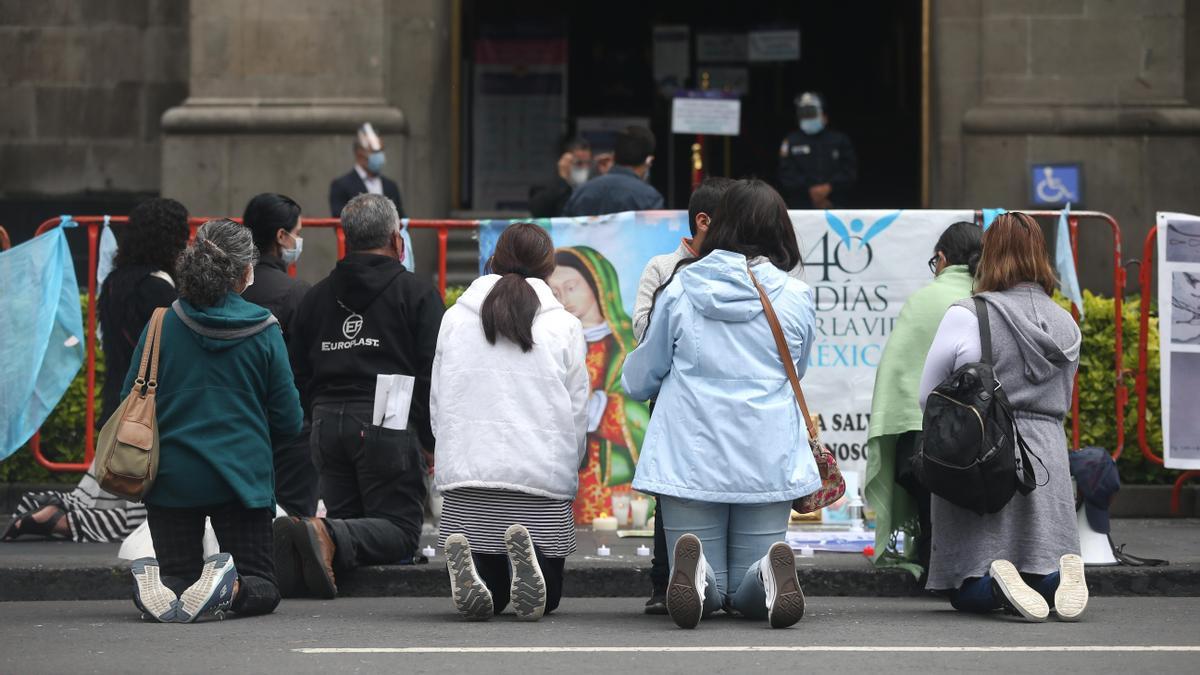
pixel 287 531
pixel 316 549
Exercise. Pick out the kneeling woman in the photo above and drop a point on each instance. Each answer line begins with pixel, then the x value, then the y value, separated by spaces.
pixel 509 408
pixel 727 448
pixel 225 388
pixel 1024 558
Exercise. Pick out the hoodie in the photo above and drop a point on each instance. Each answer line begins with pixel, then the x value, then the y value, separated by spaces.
pixel 225 389
pixel 1035 348
pixel 369 317
pixel 726 426
pixel 507 419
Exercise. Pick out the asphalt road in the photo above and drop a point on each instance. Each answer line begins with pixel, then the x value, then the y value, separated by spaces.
pixel 847 635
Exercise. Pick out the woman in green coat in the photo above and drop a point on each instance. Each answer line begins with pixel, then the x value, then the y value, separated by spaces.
pixel 225 390
pixel 901 504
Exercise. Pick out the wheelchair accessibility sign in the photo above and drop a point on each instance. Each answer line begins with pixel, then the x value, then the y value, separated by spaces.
pixel 1056 185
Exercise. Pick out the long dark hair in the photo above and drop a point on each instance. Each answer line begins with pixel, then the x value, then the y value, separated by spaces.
pixel 155 236
pixel 961 244
pixel 753 221
pixel 268 213
pixel 524 251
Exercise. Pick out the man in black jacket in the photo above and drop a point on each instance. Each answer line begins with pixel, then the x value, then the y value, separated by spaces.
pixel 817 165
pixel 371 316
pixel 366 176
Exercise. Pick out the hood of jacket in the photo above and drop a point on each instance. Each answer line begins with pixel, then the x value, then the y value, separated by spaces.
pixel 472 298
pixel 225 324
pixel 359 278
pixel 1044 353
pixel 719 286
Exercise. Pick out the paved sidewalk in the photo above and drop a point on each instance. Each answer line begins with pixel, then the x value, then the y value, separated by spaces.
pixel 41 570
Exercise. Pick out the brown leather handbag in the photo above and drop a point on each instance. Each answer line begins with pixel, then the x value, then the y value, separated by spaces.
pixel 127 450
pixel 833 486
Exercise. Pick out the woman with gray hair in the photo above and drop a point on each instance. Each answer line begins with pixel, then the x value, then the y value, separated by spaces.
pixel 225 389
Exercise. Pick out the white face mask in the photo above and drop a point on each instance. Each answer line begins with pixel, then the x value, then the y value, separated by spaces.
pixel 579 176
pixel 291 255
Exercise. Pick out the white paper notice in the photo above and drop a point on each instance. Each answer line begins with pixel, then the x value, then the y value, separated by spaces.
pixel 393 397
pixel 717 116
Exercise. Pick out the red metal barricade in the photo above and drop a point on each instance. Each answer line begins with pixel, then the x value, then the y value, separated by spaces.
pixel 5 242
pixel 1142 381
pixel 93 224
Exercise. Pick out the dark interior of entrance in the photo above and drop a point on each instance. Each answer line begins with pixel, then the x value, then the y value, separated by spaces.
pixel 864 57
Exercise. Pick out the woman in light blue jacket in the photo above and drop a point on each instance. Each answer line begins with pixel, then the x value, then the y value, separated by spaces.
pixel 726 449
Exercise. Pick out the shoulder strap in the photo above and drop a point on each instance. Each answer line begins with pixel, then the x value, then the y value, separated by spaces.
pixel 150 351
pixel 789 366
pixel 985 331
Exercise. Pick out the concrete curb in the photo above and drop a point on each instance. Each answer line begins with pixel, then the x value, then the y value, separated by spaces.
pixel 114 583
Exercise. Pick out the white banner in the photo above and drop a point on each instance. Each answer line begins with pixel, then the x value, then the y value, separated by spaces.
pixel 1179 337
pixel 862 266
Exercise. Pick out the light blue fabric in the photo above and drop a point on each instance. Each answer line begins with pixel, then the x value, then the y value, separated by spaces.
pixel 1064 261
pixel 41 333
pixel 736 538
pixel 726 427
pixel 410 256
pixel 106 253
pixel 989 215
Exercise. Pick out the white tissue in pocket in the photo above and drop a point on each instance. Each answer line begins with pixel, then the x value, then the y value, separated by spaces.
pixel 393 397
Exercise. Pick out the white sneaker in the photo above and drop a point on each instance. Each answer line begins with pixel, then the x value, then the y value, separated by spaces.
pixel 1016 595
pixel 1071 598
pixel 471 596
pixel 149 594
pixel 785 599
pixel 528 589
pixel 212 594
pixel 685 592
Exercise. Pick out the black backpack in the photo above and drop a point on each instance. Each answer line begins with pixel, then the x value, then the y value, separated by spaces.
pixel 970 442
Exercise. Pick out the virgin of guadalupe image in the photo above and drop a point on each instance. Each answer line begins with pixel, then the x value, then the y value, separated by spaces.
pixel 586 283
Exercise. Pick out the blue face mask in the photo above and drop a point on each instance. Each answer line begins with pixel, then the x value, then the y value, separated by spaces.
pixel 375 162
pixel 812 125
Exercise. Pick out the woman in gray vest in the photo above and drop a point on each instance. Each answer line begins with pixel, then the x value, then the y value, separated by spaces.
pixel 1025 558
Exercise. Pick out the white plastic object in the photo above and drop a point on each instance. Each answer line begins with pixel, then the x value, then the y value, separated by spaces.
pixel 603 551
pixel 429 551
pixel 643 551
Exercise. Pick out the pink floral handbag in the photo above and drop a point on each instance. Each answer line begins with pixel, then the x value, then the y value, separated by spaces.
pixel 833 486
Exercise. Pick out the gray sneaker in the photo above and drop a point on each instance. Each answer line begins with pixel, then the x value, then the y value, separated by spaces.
pixel 1016 595
pixel 212 594
pixel 471 596
pixel 155 600
pixel 685 592
pixel 785 599
pixel 528 589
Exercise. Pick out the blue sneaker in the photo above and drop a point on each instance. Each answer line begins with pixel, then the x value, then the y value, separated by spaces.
pixel 150 595
pixel 212 594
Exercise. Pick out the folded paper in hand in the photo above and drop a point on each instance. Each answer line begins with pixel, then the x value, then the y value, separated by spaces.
pixel 393 396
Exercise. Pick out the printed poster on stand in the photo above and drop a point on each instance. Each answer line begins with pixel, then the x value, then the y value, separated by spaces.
pixel 1179 337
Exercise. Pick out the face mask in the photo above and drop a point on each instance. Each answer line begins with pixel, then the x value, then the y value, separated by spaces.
pixel 291 255
pixel 812 125
pixel 375 162
pixel 579 176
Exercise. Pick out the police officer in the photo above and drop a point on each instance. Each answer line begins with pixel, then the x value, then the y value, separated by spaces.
pixel 817 165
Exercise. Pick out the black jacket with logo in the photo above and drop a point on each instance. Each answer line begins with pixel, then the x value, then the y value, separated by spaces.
pixel 275 290
pixel 805 161
pixel 369 317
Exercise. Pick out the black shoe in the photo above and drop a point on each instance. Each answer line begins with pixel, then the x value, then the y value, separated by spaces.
pixel 288 573
pixel 657 604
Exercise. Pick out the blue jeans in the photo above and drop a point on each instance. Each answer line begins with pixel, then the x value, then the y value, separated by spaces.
pixel 736 538
pixel 975 595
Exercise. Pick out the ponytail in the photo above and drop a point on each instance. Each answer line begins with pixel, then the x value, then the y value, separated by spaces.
pixel 509 311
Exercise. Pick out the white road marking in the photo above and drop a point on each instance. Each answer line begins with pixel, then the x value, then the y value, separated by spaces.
pixel 747 648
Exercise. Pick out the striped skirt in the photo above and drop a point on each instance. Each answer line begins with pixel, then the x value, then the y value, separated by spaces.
pixel 484 514
pixel 94 515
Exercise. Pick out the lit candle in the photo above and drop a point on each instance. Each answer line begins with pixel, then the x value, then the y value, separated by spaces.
pixel 643 551
pixel 605 523
pixel 603 551
pixel 641 510
pixel 429 551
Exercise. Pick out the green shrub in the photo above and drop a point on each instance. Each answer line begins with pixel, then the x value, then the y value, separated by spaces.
pixel 453 293
pixel 1097 393
pixel 63 434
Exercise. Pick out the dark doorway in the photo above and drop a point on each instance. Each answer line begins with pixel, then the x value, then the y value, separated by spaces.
pixel 864 57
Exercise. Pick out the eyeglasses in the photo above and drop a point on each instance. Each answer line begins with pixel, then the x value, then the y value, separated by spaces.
pixel 933 265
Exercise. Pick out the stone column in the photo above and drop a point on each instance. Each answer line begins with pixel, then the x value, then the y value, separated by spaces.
pixel 277 89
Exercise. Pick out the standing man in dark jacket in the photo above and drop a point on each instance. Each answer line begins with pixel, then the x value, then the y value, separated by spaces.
pixel 274 222
pixel 624 187
pixel 817 165
pixel 370 317
pixel 574 167
pixel 366 176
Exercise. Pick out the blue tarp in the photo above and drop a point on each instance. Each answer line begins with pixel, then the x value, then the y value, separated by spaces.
pixel 41 334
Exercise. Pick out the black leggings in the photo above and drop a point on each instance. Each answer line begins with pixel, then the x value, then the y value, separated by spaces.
pixel 496 572
pixel 243 533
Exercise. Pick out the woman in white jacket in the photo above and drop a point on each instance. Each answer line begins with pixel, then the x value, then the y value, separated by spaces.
pixel 509 410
